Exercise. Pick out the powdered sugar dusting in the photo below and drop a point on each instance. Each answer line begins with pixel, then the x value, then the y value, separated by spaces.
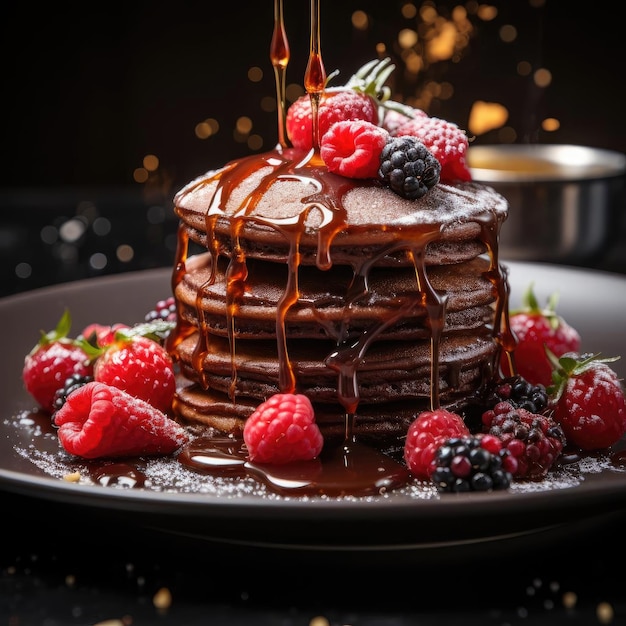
pixel 166 475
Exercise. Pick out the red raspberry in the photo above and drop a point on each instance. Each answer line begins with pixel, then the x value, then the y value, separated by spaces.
pixel 140 366
pixel 426 434
pixel 98 420
pixel 51 362
pixel 283 429
pixel 534 441
pixel 589 401
pixel 352 148
pixel 537 328
pixel 336 105
pixel 445 140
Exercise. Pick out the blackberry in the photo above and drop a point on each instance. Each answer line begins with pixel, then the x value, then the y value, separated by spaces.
pixel 75 381
pixel 518 392
pixel 408 167
pixel 163 310
pixel 472 463
pixel 515 390
pixel 536 441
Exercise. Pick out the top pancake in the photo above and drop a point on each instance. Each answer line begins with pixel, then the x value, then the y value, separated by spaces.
pixel 260 202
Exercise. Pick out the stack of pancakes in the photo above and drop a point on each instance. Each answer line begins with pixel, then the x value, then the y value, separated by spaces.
pixel 291 279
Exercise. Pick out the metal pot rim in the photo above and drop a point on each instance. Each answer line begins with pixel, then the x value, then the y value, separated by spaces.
pixel 515 163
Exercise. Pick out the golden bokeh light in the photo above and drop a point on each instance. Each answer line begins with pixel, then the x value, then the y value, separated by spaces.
pixel 293 91
pixel 428 14
pixel 459 14
pixel 550 124
pixel 162 599
pixel 605 613
pixel 542 77
pixel 207 128
pixel 413 62
pixel 255 142
pixel 487 12
pixel 124 253
pixel 407 38
pixel 140 175
pixel 486 116
pixel 244 125
pixel 435 38
pixel 508 33
pixel 569 600
pixel 151 162
pixel 360 20
pixel 255 74
pixel 408 10
pixel 442 46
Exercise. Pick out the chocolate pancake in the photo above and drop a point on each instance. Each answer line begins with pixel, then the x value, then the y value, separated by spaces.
pixel 383 423
pixel 338 220
pixel 370 304
pixel 327 299
pixel 389 371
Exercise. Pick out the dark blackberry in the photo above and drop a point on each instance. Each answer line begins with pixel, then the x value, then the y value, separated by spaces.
pixel 75 381
pixel 163 310
pixel 536 441
pixel 408 167
pixel 518 392
pixel 471 463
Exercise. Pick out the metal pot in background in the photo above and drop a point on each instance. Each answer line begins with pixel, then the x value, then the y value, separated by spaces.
pixel 566 202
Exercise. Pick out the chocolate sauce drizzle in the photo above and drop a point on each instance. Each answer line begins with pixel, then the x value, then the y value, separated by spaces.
pixel 336 472
pixel 279 55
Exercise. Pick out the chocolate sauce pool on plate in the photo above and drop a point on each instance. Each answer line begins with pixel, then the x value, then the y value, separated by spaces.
pixel 354 469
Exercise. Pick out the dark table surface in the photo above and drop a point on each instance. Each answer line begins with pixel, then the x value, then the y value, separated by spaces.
pixel 61 564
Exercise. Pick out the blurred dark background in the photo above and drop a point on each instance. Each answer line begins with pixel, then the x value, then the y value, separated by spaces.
pixel 109 109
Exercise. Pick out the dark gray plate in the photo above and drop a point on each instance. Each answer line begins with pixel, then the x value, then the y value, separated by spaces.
pixel 593 302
